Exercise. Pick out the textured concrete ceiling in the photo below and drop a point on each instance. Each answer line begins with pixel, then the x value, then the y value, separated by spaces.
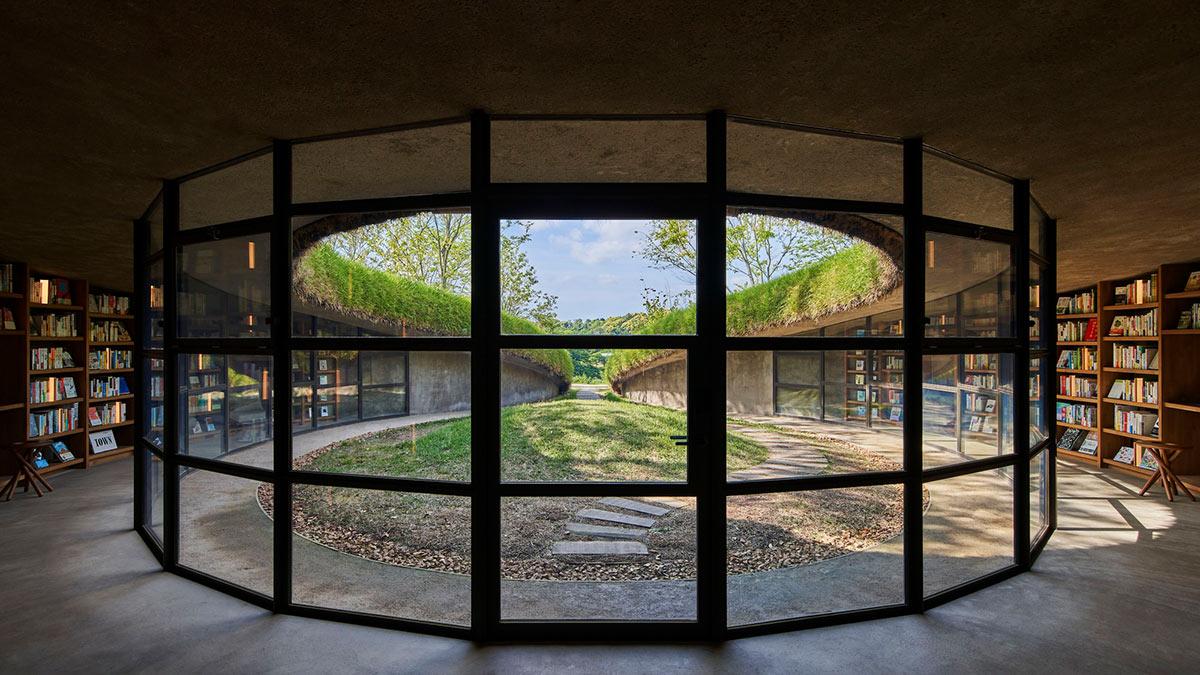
pixel 1098 103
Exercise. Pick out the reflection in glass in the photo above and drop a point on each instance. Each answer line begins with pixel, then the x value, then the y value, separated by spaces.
pixel 152 400
pixel 225 288
pixel 968 528
pixel 225 408
pixel 968 407
pixel 968 287
pixel 152 319
pixel 225 528
pixel 552 539
pixel 794 554
pixel 350 546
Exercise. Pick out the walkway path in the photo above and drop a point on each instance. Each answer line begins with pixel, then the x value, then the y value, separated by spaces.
pixel 789 456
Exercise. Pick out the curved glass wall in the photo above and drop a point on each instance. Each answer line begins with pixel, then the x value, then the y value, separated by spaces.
pixel 632 377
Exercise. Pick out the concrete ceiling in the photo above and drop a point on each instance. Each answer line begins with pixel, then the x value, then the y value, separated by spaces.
pixel 1098 103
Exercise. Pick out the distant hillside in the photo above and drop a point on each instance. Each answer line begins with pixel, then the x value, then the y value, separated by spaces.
pixel 625 324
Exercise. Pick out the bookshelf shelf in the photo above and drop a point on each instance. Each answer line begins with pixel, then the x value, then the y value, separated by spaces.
pixel 1131 338
pixel 1127 307
pixel 1078 371
pixel 1136 404
pixel 1183 295
pixel 1076 426
pixel 1132 371
pixel 1126 434
pixel 1077 455
pixel 1090 315
pixel 1181 331
pixel 93 313
pixel 51 404
pixel 1076 344
pixel 1077 399
pixel 1187 407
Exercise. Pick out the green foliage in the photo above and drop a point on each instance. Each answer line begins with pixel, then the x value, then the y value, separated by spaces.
pixel 589 364
pixel 812 291
pixel 355 288
pixel 563 439
pixel 519 292
pixel 612 325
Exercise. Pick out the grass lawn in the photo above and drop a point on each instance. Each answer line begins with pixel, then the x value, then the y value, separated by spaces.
pixel 564 439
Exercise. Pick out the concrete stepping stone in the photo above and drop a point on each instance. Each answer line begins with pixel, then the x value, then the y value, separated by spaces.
pixel 597 514
pixel 605 531
pixel 598 548
pixel 632 505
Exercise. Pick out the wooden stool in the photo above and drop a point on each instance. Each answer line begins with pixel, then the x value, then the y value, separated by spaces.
pixel 1164 454
pixel 22 452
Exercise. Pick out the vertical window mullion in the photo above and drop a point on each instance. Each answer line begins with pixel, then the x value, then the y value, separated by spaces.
pixel 1020 378
pixel 914 332
pixel 281 331
pixel 171 390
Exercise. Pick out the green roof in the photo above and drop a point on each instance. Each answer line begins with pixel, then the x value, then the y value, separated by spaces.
pixel 325 278
pixel 855 276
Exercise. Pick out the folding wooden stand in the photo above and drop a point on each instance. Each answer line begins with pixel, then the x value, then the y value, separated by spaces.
pixel 26 471
pixel 1164 454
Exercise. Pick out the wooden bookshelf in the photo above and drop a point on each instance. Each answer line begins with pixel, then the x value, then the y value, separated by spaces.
pixel 1079 321
pixel 17 400
pixel 1177 373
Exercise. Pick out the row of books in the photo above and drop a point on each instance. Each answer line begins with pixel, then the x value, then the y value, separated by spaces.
pixel 107 387
pixel 893 363
pixel 1140 357
pixel 981 380
pixel 1137 292
pixel 980 424
pixel 50 389
pixel 1077 331
pixel 1076 413
pixel 979 361
pixel 1083 358
pixel 1080 303
pixel 155 416
pixel 53 421
pixel 1079 440
pixel 108 331
pixel 1077 385
pixel 109 358
pixel 109 413
pixel 52 325
pixel 1190 317
pixel 1135 421
pixel 7 280
pixel 50 291
pixel 1137 389
pixel 155 388
pixel 50 358
pixel 979 403
pixel 102 303
pixel 1135 325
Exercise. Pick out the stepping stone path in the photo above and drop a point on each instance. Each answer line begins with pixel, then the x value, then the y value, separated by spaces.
pixel 588 395
pixel 636 527
pixel 789 456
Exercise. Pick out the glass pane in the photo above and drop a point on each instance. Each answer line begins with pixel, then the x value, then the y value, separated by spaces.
pixel 968 287
pixel 1037 337
pixel 968 407
pixel 156 229
pixel 425 435
pixel 396 554
pixel 1039 494
pixel 772 160
pixel 968 528
pixel 598 276
pixel 152 401
pixel 152 318
pixel 153 491
pixel 225 408
pixel 225 288
pixel 336 387
pixel 620 432
pixel 225 528
pixel 959 193
pixel 234 193
pixel 600 151
pixel 385 384
pixel 589 558
pixel 1039 429
pixel 393 274
pixel 422 161
pixel 1037 225
pixel 825 407
pixel 791 272
pixel 794 554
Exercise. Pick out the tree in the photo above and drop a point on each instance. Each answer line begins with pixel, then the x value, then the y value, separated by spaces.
pixel 519 292
pixel 433 248
pixel 758 247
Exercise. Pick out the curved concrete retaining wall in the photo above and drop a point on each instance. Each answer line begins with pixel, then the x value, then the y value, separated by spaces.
pixel 441 382
pixel 664 383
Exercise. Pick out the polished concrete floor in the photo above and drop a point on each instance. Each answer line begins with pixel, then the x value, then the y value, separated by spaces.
pixel 1117 590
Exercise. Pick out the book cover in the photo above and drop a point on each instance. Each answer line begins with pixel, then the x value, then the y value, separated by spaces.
pixel 93 417
pixel 61 451
pixel 1124 455
pixel 1147 461
pixel 102 441
pixel 1090 445
pixel 1193 282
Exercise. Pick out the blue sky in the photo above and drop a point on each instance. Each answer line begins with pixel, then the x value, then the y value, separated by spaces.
pixel 594 268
